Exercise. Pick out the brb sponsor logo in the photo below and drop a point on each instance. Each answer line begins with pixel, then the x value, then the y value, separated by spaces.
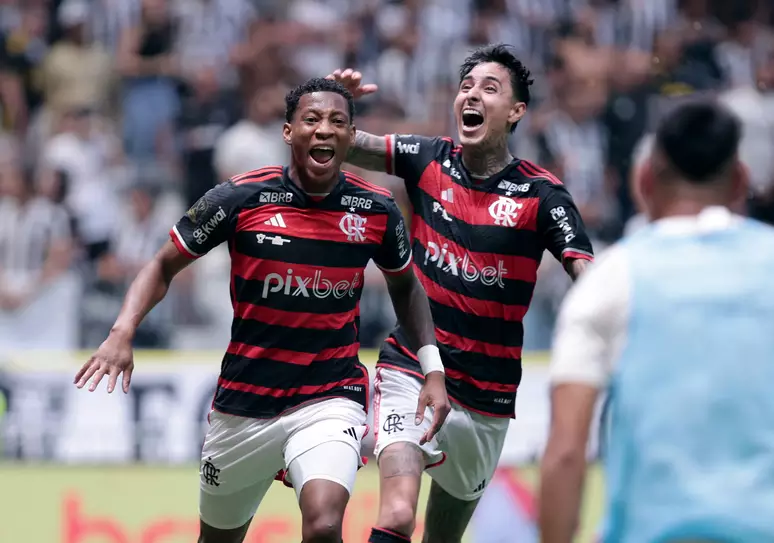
pixel 461 266
pixel 203 232
pixel 275 197
pixel 559 215
pixel 355 202
pixel 307 287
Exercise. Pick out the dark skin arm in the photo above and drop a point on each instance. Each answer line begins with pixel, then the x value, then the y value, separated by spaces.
pixel 114 356
pixel 413 311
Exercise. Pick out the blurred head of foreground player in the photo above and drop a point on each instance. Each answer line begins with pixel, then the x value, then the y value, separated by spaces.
pixel 319 129
pixel 686 174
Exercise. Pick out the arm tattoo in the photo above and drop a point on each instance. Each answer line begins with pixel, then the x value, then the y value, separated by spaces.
pixel 401 460
pixel 446 518
pixel 369 152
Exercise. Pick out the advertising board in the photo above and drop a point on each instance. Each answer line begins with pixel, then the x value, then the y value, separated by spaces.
pixel 141 504
pixel 163 418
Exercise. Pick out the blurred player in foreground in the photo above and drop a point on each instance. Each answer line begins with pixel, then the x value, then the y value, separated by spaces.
pixel 292 393
pixel 677 322
pixel 482 220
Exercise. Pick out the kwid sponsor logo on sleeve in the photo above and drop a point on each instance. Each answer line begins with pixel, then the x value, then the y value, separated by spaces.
pixel 407 148
pixel 202 233
pixel 559 215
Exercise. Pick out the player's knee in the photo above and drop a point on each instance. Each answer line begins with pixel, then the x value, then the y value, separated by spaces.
pixel 322 526
pixel 398 515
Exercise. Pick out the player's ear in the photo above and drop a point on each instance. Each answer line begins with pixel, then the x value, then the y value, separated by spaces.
pixel 287 131
pixel 352 132
pixel 518 110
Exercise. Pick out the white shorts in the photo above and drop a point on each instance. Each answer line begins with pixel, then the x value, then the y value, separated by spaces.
pixel 241 456
pixel 461 458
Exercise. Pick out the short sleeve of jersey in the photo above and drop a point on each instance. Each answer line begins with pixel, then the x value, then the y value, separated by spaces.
pixel 209 222
pixel 394 254
pixel 408 156
pixel 560 224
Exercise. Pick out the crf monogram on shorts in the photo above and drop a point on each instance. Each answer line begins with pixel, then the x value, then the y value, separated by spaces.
pixel 210 473
pixel 393 423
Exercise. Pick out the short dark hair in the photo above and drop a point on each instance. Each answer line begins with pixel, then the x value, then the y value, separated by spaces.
pixel 699 138
pixel 501 54
pixel 317 84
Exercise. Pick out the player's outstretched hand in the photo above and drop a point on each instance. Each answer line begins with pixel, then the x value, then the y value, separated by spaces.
pixel 433 394
pixel 352 81
pixel 113 358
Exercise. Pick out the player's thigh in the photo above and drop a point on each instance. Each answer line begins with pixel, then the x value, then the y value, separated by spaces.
pixel 400 478
pixel 473 444
pixel 323 478
pixel 446 517
pixel 396 395
pixel 225 518
pixel 240 458
pixel 324 442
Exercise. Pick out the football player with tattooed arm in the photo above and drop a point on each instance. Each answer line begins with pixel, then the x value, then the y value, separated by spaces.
pixel 292 394
pixel 482 220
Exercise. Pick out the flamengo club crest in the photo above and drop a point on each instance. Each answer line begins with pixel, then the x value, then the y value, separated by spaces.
pixel 503 211
pixel 353 225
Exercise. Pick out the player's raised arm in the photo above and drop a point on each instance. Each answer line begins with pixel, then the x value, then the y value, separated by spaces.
pixel 413 312
pixel 562 228
pixel 203 227
pixel 404 156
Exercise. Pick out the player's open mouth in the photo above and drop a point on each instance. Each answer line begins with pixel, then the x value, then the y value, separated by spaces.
pixel 322 154
pixel 471 119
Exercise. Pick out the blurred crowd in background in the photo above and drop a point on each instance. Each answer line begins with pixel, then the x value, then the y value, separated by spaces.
pixel 119 114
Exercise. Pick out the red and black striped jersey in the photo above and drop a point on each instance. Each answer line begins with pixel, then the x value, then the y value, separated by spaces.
pixel 297 265
pixel 477 245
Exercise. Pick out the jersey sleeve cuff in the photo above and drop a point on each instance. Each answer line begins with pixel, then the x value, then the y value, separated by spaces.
pixel 181 245
pixel 389 166
pixel 577 254
pixel 397 271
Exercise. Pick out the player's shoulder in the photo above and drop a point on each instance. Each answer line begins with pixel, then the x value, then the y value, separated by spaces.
pixel 261 186
pixel 258 179
pixel 414 144
pixel 527 171
pixel 362 194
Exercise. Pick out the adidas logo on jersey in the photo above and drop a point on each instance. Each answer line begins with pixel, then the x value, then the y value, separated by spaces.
pixel 276 220
pixel 480 487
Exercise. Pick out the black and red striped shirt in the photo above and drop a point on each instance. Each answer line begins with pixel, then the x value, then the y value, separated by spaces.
pixel 477 246
pixel 297 265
